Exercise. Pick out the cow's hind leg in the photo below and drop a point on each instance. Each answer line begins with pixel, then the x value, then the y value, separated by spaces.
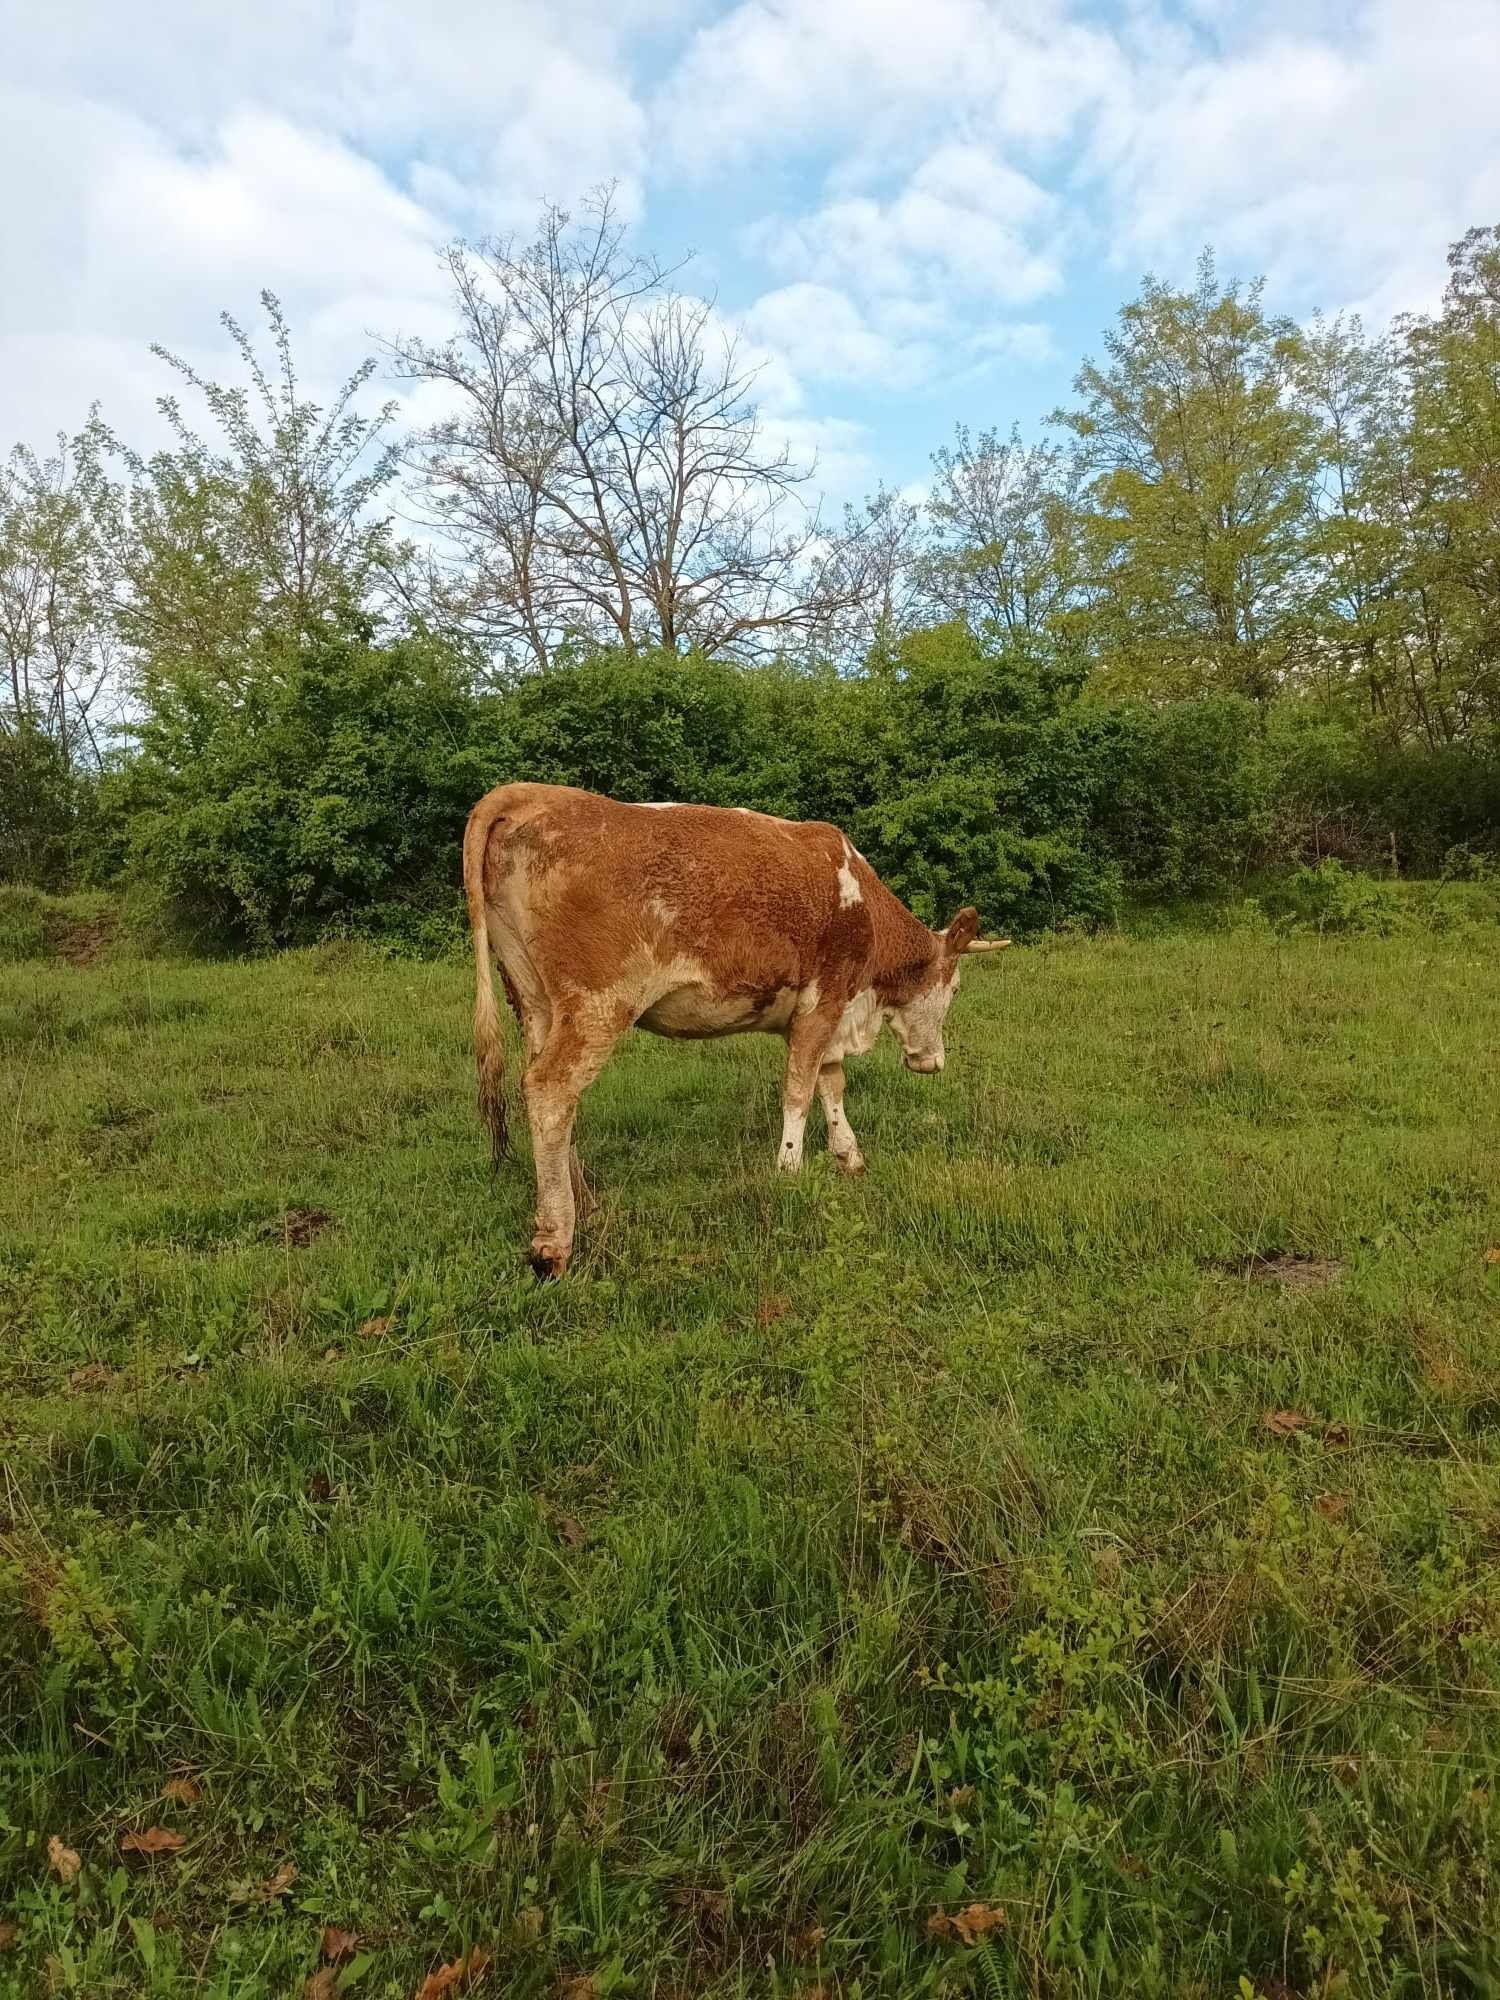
pixel 841 1140
pixel 566 1065
pixel 535 1021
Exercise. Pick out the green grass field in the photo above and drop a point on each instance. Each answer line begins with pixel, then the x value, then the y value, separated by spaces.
pixel 1016 1572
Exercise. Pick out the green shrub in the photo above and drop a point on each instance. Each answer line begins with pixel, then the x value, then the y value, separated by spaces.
pixel 1331 898
pixel 332 783
pixel 40 798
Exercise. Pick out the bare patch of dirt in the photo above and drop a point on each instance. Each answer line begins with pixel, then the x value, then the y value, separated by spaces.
pixel 1288 1268
pixel 298 1227
pixel 1297 1273
pixel 84 942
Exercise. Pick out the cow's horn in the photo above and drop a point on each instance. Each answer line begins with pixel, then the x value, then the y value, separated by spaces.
pixel 989 944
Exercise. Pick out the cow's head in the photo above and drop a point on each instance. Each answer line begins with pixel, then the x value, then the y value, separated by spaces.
pixel 918 1022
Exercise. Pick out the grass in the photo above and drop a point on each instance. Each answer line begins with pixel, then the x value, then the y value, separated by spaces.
pixel 824 1568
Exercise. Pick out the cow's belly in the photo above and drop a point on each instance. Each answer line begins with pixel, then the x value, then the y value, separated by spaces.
pixel 696 1012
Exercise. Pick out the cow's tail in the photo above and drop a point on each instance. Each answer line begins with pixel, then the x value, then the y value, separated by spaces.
pixel 489 1046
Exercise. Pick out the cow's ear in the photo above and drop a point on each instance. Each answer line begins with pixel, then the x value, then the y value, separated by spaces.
pixel 961 933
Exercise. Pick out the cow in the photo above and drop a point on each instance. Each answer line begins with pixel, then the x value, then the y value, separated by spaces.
pixel 689 921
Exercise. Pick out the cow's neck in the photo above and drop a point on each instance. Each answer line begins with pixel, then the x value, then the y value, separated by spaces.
pixel 904 948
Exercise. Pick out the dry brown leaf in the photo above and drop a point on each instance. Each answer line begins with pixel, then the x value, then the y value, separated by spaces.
pixel 374 1328
pixel 1284 1423
pixel 1332 1506
pixel 155 1840
pixel 770 1309
pixel 807 1943
pixel 319 1488
pixel 461 1975
pixel 961 1796
pixel 9 1933
pixel 969 1925
pixel 182 1790
pixel 1492 1255
pixel 323 1985
pixel 267 1891
pixel 571 1533
pixel 63 1861
pixel 336 1944
pixel 582 1986
pixel 529 1923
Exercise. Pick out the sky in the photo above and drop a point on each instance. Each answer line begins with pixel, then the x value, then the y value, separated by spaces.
pixel 917 212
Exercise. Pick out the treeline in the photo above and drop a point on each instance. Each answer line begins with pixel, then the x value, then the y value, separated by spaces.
pixel 1240 610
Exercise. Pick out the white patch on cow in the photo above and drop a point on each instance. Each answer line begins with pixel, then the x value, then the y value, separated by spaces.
pixel 660 805
pixel 793 1125
pixel 841 1140
pixel 919 1024
pixel 808 998
pixel 848 888
pixel 858 1027
pixel 681 1000
pixel 661 910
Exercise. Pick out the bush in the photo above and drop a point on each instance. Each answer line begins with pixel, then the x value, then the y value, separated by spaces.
pixel 333 783
pixel 1338 900
pixel 40 797
pixel 324 791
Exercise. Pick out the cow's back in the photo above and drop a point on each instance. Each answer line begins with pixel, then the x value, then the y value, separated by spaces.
pixel 595 890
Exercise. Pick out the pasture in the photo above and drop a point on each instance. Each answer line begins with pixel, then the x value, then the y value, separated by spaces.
pixel 1062 1562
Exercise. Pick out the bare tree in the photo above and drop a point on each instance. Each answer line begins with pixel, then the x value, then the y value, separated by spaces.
pixel 602 472
pixel 57 655
pixel 1002 515
pixel 875 578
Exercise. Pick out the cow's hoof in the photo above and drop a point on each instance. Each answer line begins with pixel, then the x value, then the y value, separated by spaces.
pixel 854 1164
pixel 548 1262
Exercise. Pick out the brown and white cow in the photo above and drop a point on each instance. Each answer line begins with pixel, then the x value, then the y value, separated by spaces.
pixel 689 921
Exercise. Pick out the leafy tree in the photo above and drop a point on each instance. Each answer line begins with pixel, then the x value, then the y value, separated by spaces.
pixel 1198 463
pixel 1453 581
pixel 268 533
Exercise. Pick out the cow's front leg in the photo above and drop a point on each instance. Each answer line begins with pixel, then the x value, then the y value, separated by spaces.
pixel 841 1140
pixel 806 1040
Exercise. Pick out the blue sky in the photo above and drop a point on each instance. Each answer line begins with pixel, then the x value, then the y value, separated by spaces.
pixel 917 211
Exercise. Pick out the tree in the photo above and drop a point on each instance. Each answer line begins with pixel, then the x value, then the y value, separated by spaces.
pixel 874 580
pixel 1453 367
pixel 269 533
pixel 602 474
pixel 1004 523
pixel 1199 466
pixel 57 655
pixel 1352 389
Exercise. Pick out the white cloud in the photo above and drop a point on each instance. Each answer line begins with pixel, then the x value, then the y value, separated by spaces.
pixel 965 223
pixel 867 76
pixel 133 240
pixel 1340 166
pixel 821 335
